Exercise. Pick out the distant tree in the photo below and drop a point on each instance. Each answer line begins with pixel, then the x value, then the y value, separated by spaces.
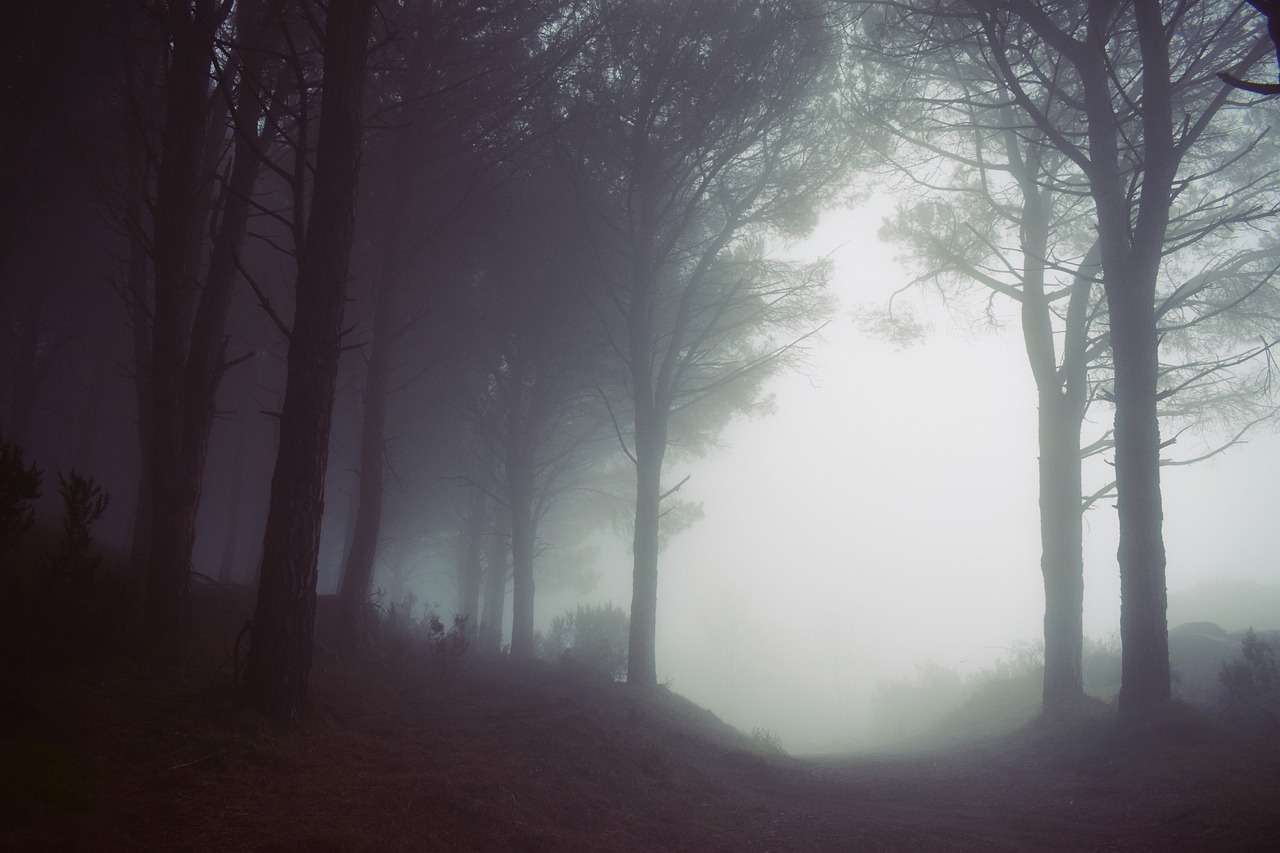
pixel 698 128
pixel 446 109
pixel 279 661
pixel 532 365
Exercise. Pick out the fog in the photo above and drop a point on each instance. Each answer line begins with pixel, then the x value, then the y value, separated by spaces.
pixel 885 514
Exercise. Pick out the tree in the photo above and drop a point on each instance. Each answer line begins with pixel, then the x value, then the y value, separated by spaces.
pixel 533 363
pixel 1100 89
pixel 187 358
pixel 990 200
pixel 449 121
pixel 279 661
pixel 699 127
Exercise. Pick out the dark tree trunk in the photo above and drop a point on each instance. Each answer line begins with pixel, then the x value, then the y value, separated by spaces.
pixel 139 309
pixel 651 446
pixel 279 661
pixel 1132 248
pixel 231 535
pixel 1144 630
pixel 354 590
pixel 523 536
pixel 495 593
pixel 176 206
pixel 203 361
pixel 470 566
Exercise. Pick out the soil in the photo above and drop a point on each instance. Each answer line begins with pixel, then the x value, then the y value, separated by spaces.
pixel 422 751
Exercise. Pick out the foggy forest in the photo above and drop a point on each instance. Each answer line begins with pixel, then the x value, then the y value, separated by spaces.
pixel 639 425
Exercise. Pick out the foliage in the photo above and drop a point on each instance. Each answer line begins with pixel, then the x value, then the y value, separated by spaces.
pixel 594 637
pixel 767 741
pixel 19 487
pixel 84 503
pixel 1251 684
pixel 445 647
pixel 940 702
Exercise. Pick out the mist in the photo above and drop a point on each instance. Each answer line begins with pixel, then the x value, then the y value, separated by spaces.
pixel 555 413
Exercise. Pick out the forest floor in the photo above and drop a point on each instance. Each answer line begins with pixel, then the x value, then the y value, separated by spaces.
pixel 425 752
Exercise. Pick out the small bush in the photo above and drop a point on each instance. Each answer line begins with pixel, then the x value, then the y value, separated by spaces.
pixel 19 488
pixel 766 741
pixel 451 643
pixel 594 637
pixel 84 502
pixel 1251 683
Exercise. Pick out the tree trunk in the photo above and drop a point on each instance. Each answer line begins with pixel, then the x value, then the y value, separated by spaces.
pixel 651 446
pixel 523 536
pixel 1062 406
pixel 1062 557
pixel 358 572
pixel 177 190
pixel 470 567
pixel 1132 248
pixel 279 661
pixel 1144 630
pixel 231 535
pixel 495 594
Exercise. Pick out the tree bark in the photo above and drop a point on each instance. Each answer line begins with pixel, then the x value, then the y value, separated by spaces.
pixel 523 537
pixel 279 661
pixel 358 572
pixel 1062 557
pixel 1131 253
pixel 177 190
pixel 495 595
pixel 470 567
pixel 651 447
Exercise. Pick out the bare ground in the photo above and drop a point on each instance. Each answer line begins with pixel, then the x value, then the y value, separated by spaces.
pixel 415 752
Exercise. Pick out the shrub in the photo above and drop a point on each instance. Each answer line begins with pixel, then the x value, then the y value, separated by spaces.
pixel 19 487
pixel 1251 683
pixel 594 637
pixel 84 502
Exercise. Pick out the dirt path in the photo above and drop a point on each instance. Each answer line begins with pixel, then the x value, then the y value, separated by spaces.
pixel 537 759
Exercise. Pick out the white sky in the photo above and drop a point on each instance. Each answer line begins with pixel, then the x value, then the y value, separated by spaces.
pixel 887 514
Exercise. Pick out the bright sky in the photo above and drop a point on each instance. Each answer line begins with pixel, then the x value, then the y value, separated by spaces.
pixel 886 514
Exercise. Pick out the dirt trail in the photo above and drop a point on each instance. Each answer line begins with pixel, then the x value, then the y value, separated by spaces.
pixel 413 755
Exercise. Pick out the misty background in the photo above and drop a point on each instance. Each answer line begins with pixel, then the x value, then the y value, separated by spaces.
pixel 882 513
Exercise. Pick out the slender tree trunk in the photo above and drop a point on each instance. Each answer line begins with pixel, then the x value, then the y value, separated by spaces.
pixel 651 446
pixel 177 192
pixel 495 593
pixel 470 567
pixel 279 662
pixel 356 576
pixel 231 535
pixel 523 536
pixel 1061 412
